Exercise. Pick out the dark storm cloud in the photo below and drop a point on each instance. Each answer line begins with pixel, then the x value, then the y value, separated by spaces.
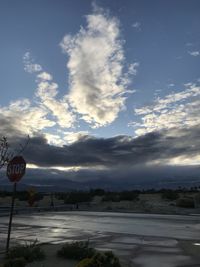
pixel 119 150
pixel 117 162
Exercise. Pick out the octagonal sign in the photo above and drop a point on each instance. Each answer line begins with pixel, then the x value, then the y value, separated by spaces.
pixel 16 169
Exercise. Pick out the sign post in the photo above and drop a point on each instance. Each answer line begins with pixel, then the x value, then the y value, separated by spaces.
pixel 15 170
pixel 11 216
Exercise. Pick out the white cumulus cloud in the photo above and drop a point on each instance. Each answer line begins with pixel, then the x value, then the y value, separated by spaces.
pixel 176 110
pixel 21 117
pixel 96 70
pixel 59 108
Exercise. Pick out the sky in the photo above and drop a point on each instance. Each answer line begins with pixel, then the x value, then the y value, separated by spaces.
pixel 104 89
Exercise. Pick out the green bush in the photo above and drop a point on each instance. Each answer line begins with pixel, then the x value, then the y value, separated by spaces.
pixel 30 252
pixel 185 202
pixel 106 259
pixel 76 250
pixel 17 262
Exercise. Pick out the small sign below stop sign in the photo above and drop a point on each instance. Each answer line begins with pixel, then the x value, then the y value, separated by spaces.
pixel 16 169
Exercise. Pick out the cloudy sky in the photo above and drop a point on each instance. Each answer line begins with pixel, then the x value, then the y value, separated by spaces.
pixel 103 88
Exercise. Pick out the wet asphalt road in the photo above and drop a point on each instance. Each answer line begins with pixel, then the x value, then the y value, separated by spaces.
pixel 139 239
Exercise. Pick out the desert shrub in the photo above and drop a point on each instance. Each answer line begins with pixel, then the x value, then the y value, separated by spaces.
pixel 17 262
pixel 84 263
pixel 5 194
pixel 185 202
pixel 77 197
pixel 169 195
pixel 111 196
pixel 30 252
pixel 97 192
pixel 104 259
pixel 76 250
pixel 119 196
pixel 129 195
pixel 24 196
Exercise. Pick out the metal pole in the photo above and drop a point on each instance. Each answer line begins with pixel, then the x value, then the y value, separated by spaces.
pixel 11 216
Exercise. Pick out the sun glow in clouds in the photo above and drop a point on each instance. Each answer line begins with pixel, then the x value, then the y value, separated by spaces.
pixel 65 169
pixel 196 244
pixel 59 168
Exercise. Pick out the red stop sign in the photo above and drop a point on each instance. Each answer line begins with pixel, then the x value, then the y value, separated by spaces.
pixel 16 169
